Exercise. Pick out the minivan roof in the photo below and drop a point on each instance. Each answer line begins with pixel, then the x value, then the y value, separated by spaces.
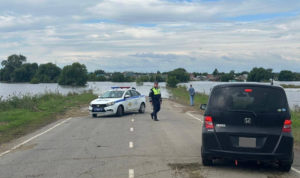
pixel 247 85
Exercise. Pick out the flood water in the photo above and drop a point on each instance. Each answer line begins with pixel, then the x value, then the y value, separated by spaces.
pixel 21 89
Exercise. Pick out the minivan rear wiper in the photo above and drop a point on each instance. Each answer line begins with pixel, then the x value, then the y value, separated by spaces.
pixel 247 111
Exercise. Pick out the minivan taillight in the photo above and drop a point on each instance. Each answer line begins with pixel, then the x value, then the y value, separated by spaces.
pixel 209 122
pixel 287 126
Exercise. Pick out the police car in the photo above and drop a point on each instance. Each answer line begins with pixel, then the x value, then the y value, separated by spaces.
pixel 117 101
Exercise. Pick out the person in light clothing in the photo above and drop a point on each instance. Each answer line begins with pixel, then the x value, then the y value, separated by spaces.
pixel 192 94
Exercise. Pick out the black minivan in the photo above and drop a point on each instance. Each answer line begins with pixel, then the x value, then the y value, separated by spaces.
pixel 245 121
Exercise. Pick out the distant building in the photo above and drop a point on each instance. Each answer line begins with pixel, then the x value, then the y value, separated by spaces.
pixel 211 77
pixel 192 76
pixel 241 77
pixel 129 74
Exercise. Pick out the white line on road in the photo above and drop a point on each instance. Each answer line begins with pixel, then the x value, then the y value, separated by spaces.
pixel 191 115
pixel 130 144
pixel 34 137
pixel 131 129
pixel 296 170
pixel 131 173
pixel 132 120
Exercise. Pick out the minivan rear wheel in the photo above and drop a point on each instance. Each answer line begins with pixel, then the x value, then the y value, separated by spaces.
pixel 206 161
pixel 285 166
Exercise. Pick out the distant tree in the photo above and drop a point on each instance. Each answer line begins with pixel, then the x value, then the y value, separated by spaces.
pixel 244 72
pixel 176 76
pixel 10 65
pixel 152 78
pixel 75 75
pixel 286 75
pixel 118 77
pixel 47 73
pixel 172 81
pixel 259 74
pixel 99 72
pixel 143 78
pixel 227 77
pixel 180 74
pixel 159 78
pixel 297 76
pixel 215 72
pixel 24 73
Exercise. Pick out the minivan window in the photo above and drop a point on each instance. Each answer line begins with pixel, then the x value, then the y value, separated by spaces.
pixel 256 99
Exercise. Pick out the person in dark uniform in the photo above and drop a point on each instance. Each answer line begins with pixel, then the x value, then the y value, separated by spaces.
pixel 155 100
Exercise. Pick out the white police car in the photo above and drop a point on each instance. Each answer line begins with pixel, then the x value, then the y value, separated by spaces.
pixel 117 101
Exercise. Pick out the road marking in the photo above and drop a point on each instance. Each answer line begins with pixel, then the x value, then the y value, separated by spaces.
pixel 296 170
pixel 131 129
pixel 130 144
pixel 191 115
pixel 131 173
pixel 34 137
pixel 178 106
pixel 132 120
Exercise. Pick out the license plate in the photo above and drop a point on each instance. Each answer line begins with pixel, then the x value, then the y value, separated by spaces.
pixel 247 142
pixel 98 109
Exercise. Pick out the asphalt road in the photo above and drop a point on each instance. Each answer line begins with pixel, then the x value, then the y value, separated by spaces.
pixel 129 146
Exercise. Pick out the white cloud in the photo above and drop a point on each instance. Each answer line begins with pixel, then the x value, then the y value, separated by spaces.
pixel 193 35
pixel 158 11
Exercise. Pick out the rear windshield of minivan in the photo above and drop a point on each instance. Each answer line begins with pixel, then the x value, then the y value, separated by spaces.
pixel 256 99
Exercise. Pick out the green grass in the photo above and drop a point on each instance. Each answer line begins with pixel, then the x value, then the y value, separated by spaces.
pixel 296 126
pixel 19 116
pixel 181 95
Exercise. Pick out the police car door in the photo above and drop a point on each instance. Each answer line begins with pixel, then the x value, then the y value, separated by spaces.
pixel 128 103
pixel 136 98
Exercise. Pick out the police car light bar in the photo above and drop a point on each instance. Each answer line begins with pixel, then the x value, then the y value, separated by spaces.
pixel 120 87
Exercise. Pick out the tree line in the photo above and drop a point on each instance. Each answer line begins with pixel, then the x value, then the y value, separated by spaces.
pixel 15 69
pixel 259 74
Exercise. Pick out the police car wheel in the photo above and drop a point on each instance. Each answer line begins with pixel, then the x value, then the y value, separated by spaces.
pixel 142 108
pixel 120 111
pixel 94 115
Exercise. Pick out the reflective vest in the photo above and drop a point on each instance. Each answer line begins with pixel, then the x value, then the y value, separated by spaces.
pixel 156 91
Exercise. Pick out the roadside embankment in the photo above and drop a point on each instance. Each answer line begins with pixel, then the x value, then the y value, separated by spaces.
pixel 22 115
pixel 181 95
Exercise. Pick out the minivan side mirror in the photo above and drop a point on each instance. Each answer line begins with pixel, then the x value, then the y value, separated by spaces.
pixel 127 96
pixel 203 106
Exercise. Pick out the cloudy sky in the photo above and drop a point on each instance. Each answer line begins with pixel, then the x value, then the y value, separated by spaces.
pixel 151 35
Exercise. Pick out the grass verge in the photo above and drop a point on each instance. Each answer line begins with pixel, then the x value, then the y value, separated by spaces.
pixel 181 95
pixel 19 116
pixel 296 126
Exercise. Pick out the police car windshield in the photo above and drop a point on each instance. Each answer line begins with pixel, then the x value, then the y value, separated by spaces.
pixel 112 94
